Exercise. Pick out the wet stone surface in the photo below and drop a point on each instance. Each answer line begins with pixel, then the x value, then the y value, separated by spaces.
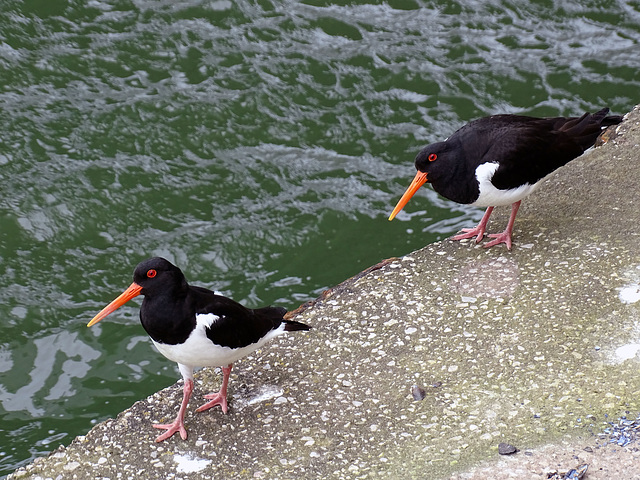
pixel 530 347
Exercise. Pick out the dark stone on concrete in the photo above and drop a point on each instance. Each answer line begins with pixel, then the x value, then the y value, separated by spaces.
pixel 506 449
pixel 418 393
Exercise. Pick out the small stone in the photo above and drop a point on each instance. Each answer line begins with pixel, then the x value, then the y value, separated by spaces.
pixel 71 466
pixel 418 392
pixel 506 449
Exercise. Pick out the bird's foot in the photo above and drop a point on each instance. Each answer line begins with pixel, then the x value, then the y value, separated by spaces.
pixel 171 428
pixel 216 399
pixel 504 237
pixel 219 398
pixel 178 423
pixel 477 232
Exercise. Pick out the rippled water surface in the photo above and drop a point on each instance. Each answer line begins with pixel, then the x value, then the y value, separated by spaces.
pixel 260 145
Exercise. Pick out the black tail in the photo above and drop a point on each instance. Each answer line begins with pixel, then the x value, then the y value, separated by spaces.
pixel 275 316
pixel 611 119
pixel 585 130
pixel 292 326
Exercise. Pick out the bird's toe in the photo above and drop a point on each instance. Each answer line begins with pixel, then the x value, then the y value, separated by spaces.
pixel 215 399
pixel 171 429
pixel 499 238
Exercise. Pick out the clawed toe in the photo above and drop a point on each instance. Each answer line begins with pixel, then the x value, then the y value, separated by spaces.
pixel 171 428
pixel 216 399
pixel 470 233
pixel 504 237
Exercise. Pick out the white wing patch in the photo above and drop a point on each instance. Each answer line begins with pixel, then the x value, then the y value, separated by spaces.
pixel 206 319
pixel 490 196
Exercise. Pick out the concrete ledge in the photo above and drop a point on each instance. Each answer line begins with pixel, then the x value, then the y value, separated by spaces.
pixel 532 347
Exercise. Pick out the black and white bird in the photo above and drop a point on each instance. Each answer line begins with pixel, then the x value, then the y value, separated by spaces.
pixel 499 160
pixel 195 327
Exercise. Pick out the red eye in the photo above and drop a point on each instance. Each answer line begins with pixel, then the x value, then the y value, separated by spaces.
pixel 432 157
pixel 151 273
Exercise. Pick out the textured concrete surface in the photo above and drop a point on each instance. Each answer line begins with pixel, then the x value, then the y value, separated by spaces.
pixel 538 347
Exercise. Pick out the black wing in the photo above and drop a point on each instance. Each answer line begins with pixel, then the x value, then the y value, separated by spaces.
pixel 237 326
pixel 532 148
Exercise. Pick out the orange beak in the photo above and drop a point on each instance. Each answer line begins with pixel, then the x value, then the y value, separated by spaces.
pixel 131 292
pixel 419 180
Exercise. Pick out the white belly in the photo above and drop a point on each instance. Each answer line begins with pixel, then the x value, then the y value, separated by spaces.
pixel 490 196
pixel 199 351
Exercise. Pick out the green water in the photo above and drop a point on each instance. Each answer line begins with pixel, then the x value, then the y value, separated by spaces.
pixel 259 145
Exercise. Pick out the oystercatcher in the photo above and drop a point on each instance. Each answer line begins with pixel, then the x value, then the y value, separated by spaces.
pixel 195 327
pixel 501 159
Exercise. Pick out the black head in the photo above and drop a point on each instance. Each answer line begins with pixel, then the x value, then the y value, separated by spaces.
pixel 431 157
pixel 158 275
pixel 427 162
pixel 153 278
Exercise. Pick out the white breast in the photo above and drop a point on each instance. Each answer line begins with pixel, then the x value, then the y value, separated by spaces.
pixel 199 351
pixel 490 196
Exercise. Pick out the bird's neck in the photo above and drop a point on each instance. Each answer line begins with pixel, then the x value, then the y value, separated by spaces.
pixel 167 318
pixel 455 176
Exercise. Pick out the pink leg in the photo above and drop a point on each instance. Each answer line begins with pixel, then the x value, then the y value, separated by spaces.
pixel 219 398
pixel 178 423
pixel 479 230
pixel 505 237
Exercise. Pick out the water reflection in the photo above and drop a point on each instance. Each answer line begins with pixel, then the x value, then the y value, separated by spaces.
pixel 62 351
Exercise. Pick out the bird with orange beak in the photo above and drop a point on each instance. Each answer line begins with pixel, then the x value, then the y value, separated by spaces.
pixel 499 160
pixel 196 327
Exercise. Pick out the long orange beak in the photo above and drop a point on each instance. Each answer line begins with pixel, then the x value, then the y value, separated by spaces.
pixel 131 292
pixel 419 180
